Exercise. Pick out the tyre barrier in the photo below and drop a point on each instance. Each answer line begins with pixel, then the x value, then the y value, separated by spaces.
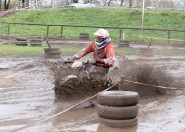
pixel 84 36
pixel 35 42
pixel 117 112
pixel 118 108
pixel 21 41
pixel 119 123
pixel 52 53
pixel 118 98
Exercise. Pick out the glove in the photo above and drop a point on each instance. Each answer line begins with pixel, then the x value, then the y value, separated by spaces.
pixel 69 60
pixel 100 61
pixel 77 64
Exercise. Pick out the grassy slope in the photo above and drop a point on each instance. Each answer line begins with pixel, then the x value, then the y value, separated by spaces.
pixel 98 17
pixel 95 16
pixel 101 17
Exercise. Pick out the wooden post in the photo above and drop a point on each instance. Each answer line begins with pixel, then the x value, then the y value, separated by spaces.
pixel 47 34
pixel 168 37
pixel 120 34
pixel 62 31
pixel 122 83
pixel 8 28
pixel 149 44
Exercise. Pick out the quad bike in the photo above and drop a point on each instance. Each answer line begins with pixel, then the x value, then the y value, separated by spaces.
pixel 89 67
pixel 83 78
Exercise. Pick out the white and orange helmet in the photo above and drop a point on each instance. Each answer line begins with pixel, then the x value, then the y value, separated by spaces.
pixel 103 33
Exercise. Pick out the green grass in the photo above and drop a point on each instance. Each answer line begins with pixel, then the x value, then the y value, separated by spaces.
pixel 66 50
pixel 96 17
pixel 69 50
pixel 22 51
pixel 27 51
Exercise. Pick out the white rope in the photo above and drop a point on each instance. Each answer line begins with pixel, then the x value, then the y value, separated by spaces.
pixel 172 88
pixel 36 123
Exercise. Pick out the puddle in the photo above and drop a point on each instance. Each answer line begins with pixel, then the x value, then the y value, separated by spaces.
pixel 27 97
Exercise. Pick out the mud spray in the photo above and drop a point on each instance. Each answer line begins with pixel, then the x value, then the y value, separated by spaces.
pixel 72 84
pixel 148 74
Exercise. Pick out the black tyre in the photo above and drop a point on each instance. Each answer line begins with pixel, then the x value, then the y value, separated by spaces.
pixel 21 39
pixel 119 113
pixel 52 56
pixel 51 49
pixel 54 52
pixel 119 123
pixel 22 43
pixel 35 44
pixel 118 98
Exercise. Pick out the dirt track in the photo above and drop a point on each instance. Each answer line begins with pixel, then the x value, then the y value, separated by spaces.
pixel 27 96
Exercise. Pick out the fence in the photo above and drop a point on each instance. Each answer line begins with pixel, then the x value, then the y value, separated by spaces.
pixel 169 35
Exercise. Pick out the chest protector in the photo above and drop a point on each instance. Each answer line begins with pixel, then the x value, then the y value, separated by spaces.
pixel 99 53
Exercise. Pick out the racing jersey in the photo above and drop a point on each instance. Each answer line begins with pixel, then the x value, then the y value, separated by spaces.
pixel 104 57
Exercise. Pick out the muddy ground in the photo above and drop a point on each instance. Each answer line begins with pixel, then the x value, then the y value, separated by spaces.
pixel 27 97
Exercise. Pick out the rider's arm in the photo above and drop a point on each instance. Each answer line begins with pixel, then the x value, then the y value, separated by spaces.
pixel 84 51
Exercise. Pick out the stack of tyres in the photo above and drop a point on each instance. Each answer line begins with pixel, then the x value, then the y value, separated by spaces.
pixel 118 108
pixel 35 42
pixel 84 36
pixel 21 41
pixel 52 53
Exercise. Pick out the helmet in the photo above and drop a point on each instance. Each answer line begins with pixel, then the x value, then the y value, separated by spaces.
pixel 103 34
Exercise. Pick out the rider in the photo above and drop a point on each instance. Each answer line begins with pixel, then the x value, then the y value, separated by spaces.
pixel 102 48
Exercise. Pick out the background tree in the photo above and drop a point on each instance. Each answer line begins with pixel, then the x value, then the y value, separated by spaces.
pixel 130 3
pixel 121 4
pixel 105 2
pixel 6 4
pixel 74 1
pixel 24 3
pixel 0 4
pixel 109 2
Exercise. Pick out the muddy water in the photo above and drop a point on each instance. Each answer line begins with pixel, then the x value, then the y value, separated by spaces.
pixel 26 92
pixel 27 97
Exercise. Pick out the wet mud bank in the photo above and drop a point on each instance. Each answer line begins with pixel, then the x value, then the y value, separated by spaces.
pixel 27 96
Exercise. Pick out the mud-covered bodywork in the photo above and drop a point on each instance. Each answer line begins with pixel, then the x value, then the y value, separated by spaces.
pixel 86 81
